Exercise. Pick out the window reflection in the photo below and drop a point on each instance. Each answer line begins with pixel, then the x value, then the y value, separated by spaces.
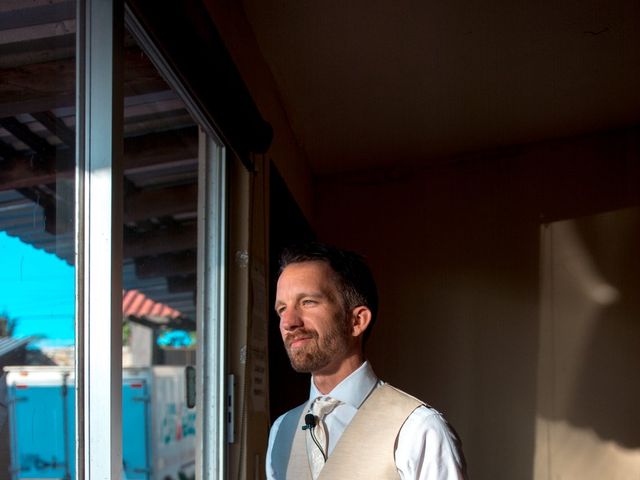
pixel 37 191
pixel 37 159
pixel 159 269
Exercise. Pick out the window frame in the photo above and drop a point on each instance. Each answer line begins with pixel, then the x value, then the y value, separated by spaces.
pixel 99 239
pixel 99 172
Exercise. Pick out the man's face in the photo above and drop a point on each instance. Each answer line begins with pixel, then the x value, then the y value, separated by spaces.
pixel 314 325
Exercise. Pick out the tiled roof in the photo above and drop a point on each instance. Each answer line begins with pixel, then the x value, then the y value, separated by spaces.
pixel 137 304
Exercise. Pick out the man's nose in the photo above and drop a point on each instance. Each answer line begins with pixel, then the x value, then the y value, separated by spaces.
pixel 290 319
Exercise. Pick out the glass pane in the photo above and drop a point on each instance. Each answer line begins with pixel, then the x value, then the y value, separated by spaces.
pixel 37 167
pixel 159 273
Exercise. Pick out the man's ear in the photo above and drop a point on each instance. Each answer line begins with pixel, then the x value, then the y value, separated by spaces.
pixel 360 320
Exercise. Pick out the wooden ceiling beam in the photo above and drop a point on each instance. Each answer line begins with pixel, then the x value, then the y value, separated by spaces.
pixel 48 204
pixel 182 263
pixel 161 147
pixel 23 171
pixel 31 192
pixel 34 141
pixel 46 86
pixel 56 126
pixel 160 202
pixel 37 87
pixel 159 241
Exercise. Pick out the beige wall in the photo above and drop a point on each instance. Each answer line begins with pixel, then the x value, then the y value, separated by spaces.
pixel 458 315
pixel 456 251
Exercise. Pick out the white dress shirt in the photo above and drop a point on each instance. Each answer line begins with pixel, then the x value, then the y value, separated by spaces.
pixel 426 448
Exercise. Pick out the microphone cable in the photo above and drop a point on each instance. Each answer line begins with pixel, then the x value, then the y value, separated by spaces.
pixel 310 423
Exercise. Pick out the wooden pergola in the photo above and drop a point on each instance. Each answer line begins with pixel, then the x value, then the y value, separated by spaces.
pixel 37 153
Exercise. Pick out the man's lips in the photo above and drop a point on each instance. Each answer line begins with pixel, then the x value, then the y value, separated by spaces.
pixel 298 341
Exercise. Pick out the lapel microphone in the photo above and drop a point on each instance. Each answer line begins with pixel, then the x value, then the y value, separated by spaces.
pixel 310 421
pixel 309 424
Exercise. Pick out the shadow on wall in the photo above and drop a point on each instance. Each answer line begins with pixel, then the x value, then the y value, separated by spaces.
pixel 588 393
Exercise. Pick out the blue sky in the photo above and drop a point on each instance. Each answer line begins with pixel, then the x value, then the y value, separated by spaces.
pixel 37 288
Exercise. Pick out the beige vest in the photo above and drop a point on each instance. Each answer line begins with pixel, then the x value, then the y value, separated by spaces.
pixel 366 448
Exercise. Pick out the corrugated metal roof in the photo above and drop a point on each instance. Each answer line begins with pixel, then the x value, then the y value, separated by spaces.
pixel 9 344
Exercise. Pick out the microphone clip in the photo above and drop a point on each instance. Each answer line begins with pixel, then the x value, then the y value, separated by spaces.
pixel 310 421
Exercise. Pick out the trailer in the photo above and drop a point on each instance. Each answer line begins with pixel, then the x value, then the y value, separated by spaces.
pixel 158 430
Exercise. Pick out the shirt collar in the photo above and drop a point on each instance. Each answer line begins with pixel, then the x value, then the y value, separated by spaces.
pixel 354 389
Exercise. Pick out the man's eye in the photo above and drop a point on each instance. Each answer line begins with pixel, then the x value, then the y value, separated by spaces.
pixel 309 302
pixel 279 311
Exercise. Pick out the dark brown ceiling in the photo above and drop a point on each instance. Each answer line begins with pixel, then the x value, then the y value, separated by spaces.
pixel 374 83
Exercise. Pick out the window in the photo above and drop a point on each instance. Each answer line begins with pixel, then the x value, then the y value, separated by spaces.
pixel 37 198
pixel 147 185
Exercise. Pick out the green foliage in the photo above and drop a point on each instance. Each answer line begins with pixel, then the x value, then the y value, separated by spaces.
pixel 7 324
pixel 126 332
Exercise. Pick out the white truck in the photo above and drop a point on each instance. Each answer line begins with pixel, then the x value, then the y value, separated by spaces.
pixel 158 430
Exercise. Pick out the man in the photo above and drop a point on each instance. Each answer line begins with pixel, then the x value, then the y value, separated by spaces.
pixel 353 426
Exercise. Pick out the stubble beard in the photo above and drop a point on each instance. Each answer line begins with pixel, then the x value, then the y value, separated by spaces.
pixel 319 352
